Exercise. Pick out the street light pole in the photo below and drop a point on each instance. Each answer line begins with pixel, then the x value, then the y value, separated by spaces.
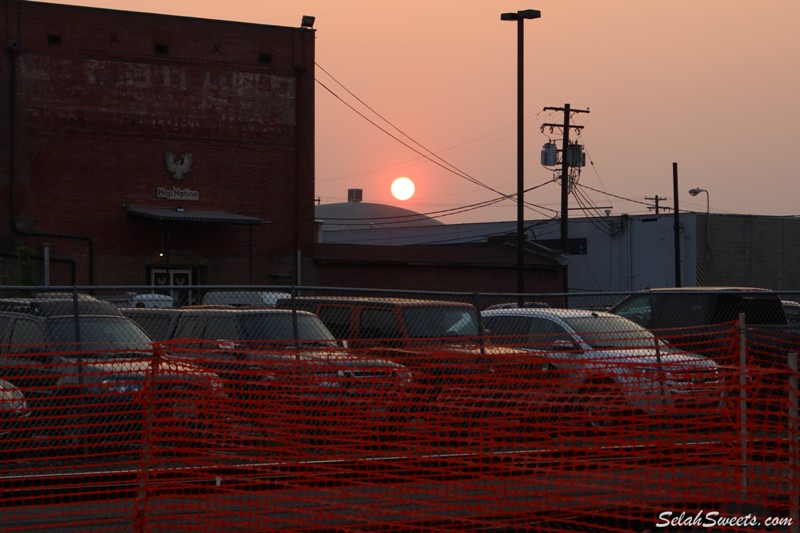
pixel 520 17
pixel 695 192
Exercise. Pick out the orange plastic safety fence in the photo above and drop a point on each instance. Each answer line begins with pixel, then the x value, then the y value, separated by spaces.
pixel 628 434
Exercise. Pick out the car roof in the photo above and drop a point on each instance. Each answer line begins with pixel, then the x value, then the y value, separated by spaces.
pixel 231 310
pixel 708 289
pixel 547 312
pixel 371 300
pixel 48 306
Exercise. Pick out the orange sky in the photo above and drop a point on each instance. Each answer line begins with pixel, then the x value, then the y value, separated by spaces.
pixel 712 85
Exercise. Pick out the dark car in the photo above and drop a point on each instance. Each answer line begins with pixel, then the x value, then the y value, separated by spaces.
pixel 695 318
pixel 697 306
pixel 87 372
pixel 702 320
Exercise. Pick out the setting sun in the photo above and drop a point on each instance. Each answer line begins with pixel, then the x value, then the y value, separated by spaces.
pixel 403 188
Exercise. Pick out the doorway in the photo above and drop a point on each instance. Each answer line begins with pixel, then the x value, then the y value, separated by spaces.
pixel 174 278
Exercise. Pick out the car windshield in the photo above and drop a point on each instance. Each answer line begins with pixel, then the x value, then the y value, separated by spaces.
pixel 610 332
pixel 115 335
pixel 278 326
pixel 441 321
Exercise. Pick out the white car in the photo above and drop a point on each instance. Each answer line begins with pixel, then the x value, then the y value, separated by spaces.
pixel 611 362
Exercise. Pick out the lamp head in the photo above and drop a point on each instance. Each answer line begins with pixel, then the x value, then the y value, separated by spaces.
pixel 524 14
pixel 307 21
pixel 696 191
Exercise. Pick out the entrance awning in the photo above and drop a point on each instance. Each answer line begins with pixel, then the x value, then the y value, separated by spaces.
pixel 197 216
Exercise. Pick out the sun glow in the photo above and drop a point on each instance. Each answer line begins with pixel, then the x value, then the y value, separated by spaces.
pixel 403 188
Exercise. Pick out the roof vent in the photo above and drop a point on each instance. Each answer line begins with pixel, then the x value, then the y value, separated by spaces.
pixel 354 195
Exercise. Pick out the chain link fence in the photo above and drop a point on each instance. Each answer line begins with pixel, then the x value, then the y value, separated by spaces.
pixel 153 413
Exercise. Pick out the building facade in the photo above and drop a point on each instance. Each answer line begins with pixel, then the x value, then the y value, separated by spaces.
pixel 151 149
pixel 623 253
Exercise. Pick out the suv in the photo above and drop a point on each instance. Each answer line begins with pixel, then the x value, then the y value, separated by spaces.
pixel 699 319
pixel 85 370
pixel 416 332
pixel 275 358
pixel 614 365
pixel 697 316
pixel 443 343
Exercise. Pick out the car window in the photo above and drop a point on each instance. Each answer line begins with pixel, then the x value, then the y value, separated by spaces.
pixel 337 318
pixel 189 327
pixel 221 327
pixel 115 333
pixel 27 332
pixel 439 321
pixel 546 331
pixel 378 324
pixel 760 310
pixel 281 327
pixel 508 330
pixel 5 330
pixel 611 332
pixel 157 326
pixel 637 308
pixel 681 309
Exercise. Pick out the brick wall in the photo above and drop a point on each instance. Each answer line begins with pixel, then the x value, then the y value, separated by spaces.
pixel 100 97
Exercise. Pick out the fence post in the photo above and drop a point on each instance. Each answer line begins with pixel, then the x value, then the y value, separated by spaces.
pixel 743 399
pixel 140 511
pixel 476 301
pixel 82 443
pixel 295 335
pixel 794 504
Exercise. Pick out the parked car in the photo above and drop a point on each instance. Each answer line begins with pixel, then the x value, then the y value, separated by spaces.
pixel 277 361
pixel 697 306
pixel 443 343
pixel 615 366
pixel 697 318
pixel 87 371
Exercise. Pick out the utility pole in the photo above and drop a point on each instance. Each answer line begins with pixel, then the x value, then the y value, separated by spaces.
pixel 676 225
pixel 656 199
pixel 565 164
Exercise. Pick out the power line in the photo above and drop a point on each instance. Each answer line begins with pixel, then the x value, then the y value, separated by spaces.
pixel 430 155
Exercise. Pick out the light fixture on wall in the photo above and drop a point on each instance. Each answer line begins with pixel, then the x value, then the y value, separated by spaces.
pixel 307 21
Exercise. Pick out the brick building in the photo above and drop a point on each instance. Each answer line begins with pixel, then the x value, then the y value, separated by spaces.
pixel 142 149
pixel 139 148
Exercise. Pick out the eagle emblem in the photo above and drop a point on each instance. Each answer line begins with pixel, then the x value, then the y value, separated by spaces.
pixel 178 169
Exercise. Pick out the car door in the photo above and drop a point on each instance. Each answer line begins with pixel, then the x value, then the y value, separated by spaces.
pixel 512 331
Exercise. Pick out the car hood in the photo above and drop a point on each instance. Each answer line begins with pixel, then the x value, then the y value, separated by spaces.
pixel 472 347
pixel 642 356
pixel 344 359
pixel 136 365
